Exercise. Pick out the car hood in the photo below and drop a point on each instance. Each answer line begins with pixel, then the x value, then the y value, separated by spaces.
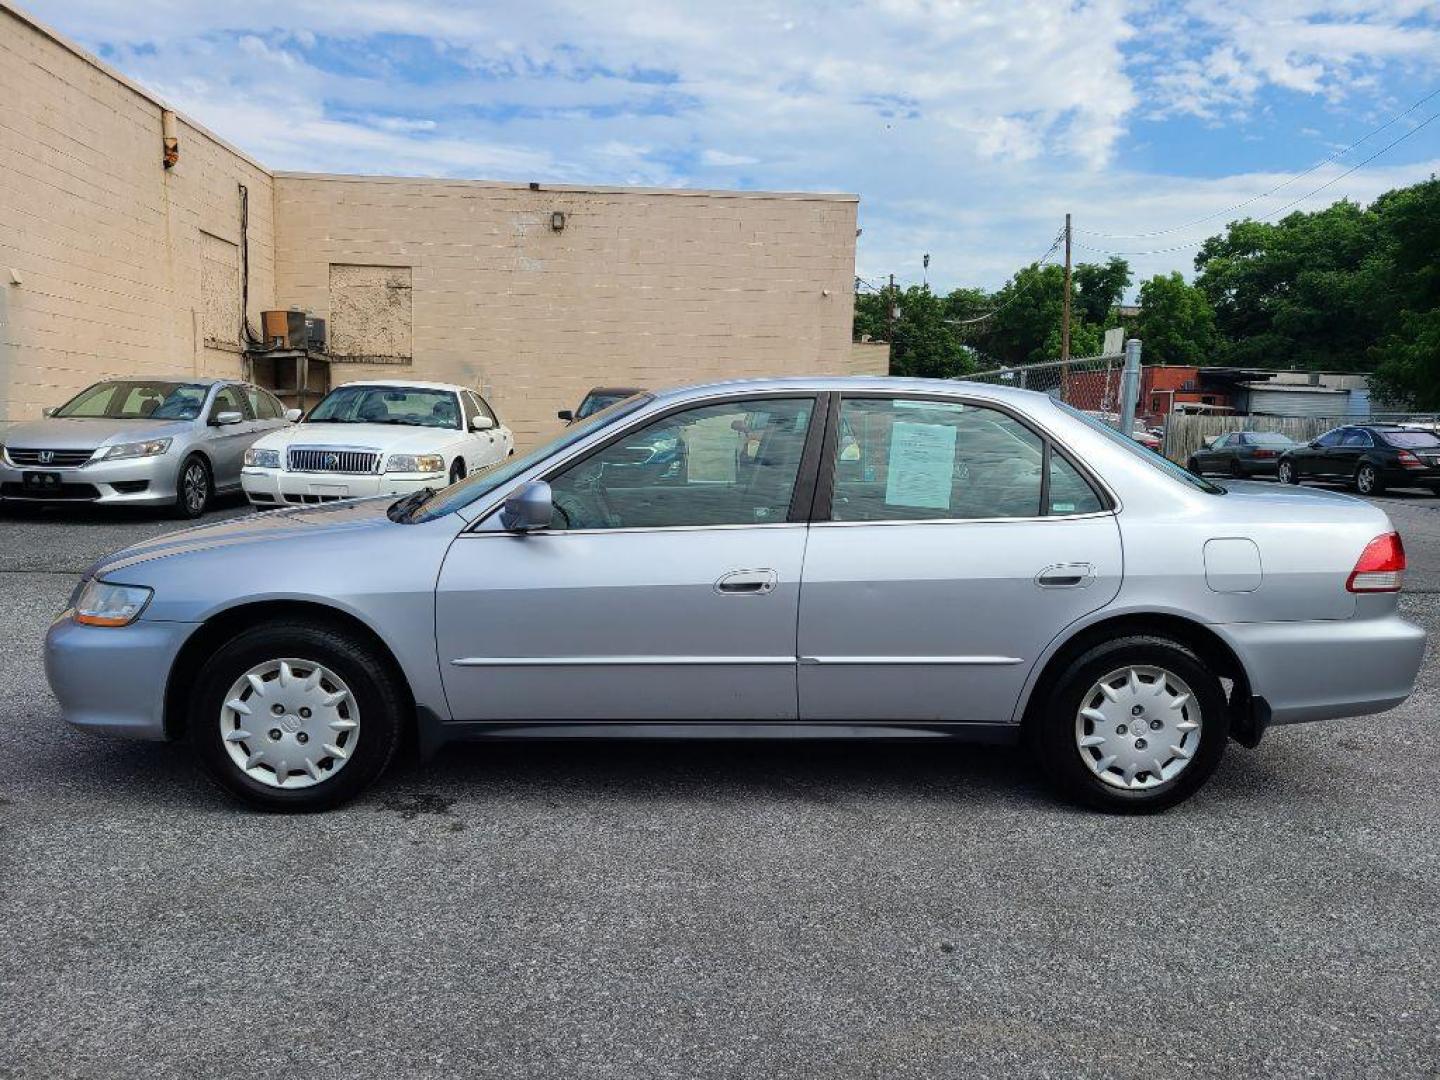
pixel 387 438
pixel 73 433
pixel 341 517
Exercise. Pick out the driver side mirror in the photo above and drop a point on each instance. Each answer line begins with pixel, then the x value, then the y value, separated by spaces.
pixel 566 414
pixel 51 411
pixel 225 419
pixel 528 507
pixel 481 423
pixel 293 416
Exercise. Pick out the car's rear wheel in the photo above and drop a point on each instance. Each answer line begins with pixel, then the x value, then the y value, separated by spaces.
pixel 1133 725
pixel 1286 473
pixel 192 488
pixel 296 715
pixel 1367 480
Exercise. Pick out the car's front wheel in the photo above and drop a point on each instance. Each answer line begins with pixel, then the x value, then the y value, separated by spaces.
pixel 1193 467
pixel 1133 725
pixel 192 488
pixel 1285 472
pixel 457 471
pixel 296 715
pixel 1367 480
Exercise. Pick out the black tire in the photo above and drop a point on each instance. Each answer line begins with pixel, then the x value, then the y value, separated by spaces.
pixel 378 692
pixel 1192 466
pixel 457 470
pixel 1236 472
pixel 1287 473
pixel 1050 729
pixel 1367 479
pixel 194 487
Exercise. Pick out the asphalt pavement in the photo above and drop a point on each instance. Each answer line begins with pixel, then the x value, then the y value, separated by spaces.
pixel 710 910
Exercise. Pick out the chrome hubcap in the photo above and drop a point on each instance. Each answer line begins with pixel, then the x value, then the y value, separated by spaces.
pixel 290 723
pixel 1366 480
pixel 1138 727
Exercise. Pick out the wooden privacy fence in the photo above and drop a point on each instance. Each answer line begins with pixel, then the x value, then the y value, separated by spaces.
pixel 1186 433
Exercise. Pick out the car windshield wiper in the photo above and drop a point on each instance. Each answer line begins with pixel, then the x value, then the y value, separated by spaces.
pixel 402 509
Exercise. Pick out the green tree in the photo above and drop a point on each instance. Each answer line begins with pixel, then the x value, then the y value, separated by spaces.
pixel 925 343
pixel 1295 293
pixel 1177 324
pixel 1098 288
pixel 1405 286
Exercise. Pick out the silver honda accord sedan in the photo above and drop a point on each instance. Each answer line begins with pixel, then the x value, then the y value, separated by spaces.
pixel 794 558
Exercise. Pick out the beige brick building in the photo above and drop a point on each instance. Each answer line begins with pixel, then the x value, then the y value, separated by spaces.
pixel 111 263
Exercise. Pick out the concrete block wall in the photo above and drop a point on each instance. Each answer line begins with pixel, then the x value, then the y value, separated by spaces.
pixel 640 287
pixel 107 244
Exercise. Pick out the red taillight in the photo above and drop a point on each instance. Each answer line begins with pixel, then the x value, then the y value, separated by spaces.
pixel 1267 453
pixel 1409 460
pixel 1381 566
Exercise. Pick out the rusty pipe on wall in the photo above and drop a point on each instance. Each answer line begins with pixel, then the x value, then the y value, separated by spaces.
pixel 170 134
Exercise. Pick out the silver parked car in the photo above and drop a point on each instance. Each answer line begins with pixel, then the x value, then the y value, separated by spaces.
pixel 171 443
pixel 825 557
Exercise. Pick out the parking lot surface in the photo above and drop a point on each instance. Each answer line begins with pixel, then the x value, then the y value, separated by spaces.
pixel 750 910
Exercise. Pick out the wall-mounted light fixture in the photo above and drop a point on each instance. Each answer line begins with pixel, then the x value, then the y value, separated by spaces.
pixel 557 221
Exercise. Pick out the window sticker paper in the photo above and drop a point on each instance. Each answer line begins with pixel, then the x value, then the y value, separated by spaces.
pixel 922 463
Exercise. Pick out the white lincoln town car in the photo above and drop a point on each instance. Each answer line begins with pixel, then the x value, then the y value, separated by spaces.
pixel 377 438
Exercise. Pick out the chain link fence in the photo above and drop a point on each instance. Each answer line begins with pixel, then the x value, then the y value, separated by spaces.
pixel 1089 383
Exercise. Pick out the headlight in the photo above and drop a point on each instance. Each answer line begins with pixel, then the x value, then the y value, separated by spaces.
pixel 149 448
pixel 426 463
pixel 103 604
pixel 262 459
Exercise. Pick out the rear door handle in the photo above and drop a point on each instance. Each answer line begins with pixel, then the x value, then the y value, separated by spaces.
pixel 751 582
pixel 1066 576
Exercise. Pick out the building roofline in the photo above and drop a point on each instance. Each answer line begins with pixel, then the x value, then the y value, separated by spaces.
pixel 569 189
pixel 124 80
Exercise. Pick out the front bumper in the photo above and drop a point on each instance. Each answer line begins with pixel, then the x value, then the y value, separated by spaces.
pixel 112 679
pixel 133 482
pixel 277 487
pixel 1324 670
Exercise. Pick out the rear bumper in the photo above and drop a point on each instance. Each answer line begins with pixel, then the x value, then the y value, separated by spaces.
pixel 112 679
pixel 1411 477
pixel 1324 670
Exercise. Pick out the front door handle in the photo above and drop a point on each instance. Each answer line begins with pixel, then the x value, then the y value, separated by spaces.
pixel 1066 576
pixel 748 582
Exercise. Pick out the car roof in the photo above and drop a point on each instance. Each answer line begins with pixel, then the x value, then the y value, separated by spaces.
pixel 418 384
pixel 626 390
pixel 189 380
pixel 867 383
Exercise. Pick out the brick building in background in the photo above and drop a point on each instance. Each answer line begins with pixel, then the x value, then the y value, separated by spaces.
pixel 111 263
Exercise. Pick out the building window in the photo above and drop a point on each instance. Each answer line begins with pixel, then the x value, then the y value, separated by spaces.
pixel 370 314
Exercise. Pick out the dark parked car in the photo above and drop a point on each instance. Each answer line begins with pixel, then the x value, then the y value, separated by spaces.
pixel 1241 453
pixel 1371 457
pixel 598 398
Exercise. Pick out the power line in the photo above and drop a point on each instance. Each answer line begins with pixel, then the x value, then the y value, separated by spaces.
pixel 1054 246
pixel 1283 184
pixel 1288 206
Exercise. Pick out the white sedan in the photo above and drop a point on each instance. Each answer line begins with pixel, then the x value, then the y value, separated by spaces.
pixel 376 438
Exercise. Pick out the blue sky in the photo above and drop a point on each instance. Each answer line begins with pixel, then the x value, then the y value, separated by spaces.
pixel 968 128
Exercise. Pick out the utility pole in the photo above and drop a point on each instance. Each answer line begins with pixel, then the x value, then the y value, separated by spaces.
pixel 1065 324
pixel 890 312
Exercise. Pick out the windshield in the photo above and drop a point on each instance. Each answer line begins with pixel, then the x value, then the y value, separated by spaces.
pixel 593 402
pixel 1149 457
pixel 1268 438
pixel 136 399
pixel 483 481
pixel 412 405
pixel 1414 440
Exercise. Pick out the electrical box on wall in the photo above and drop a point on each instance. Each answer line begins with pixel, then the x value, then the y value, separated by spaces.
pixel 284 329
pixel 314 334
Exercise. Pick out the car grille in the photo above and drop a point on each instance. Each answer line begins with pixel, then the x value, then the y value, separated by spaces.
pixel 58 459
pixel 322 460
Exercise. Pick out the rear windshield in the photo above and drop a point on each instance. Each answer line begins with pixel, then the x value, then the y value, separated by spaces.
pixel 1149 457
pixel 1268 438
pixel 1411 440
